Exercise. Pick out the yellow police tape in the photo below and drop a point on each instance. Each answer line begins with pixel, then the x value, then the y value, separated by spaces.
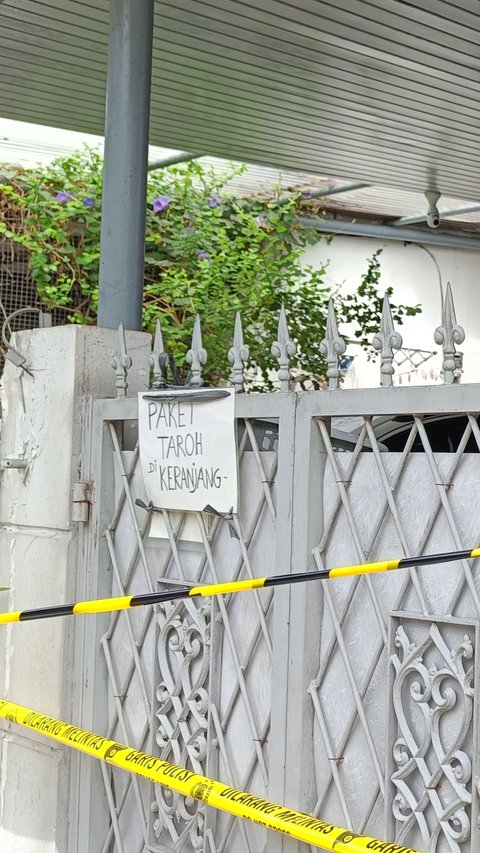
pixel 279 818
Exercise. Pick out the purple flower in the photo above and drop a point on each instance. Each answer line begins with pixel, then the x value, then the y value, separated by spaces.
pixel 203 256
pixel 161 203
pixel 306 195
pixel 88 202
pixel 62 197
pixel 214 201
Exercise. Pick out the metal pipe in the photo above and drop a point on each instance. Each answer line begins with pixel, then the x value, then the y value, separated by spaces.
pixel 444 214
pixel 122 244
pixel 172 160
pixel 386 232
pixel 346 188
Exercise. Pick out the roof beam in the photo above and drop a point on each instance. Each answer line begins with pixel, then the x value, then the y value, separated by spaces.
pixel 172 160
pixel 386 232
pixel 444 214
pixel 345 188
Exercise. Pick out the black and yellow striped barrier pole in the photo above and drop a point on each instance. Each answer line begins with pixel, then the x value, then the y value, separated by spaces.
pixel 275 817
pixel 107 605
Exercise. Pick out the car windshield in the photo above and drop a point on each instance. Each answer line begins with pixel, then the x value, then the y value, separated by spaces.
pixel 444 432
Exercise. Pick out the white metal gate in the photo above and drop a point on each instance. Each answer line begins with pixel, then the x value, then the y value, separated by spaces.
pixel 189 682
pixel 353 699
pixel 394 693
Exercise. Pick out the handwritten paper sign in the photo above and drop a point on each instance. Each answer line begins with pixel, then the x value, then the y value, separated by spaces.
pixel 188 451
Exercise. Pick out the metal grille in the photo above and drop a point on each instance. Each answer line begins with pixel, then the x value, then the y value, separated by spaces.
pixel 365 685
pixel 432 739
pixel 416 502
pixel 17 291
pixel 194 684
pixel 189 683
pixel 16 288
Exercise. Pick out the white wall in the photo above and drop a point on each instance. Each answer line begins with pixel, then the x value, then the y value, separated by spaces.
pixel 413 275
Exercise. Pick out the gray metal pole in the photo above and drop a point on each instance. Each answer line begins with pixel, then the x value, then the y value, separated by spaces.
pixel 344 188
pixel 386 232
pixel 122 245
pixel 444 214
pixel 182 157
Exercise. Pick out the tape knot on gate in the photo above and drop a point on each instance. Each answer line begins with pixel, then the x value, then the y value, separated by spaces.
pixel 227 516
pixel 147 507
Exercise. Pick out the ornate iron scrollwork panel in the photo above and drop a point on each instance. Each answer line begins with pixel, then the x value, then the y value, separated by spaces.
pixel 433 734
pixel 180 725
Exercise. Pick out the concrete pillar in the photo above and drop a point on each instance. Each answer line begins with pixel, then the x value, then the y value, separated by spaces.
pixel 42 425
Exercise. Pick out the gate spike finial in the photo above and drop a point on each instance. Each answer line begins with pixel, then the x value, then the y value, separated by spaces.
pixel 238 355
pixel 331 347
pixel 385 341
pixel 283 349
pixel 158 350
pixel 121 363
pixel 449 334
pixel 196 356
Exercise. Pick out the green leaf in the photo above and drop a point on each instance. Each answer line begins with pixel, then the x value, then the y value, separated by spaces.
pixel 255 246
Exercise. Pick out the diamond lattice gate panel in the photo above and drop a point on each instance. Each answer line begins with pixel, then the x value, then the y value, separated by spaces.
pixel 189 681
pixel 353 699
pixel 394 694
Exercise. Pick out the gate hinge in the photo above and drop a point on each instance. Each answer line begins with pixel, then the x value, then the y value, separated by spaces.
pixel 81 499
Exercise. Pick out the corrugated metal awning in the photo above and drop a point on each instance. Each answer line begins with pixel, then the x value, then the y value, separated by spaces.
pixel 383 91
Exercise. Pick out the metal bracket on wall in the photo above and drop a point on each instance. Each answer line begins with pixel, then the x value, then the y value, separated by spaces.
pixel 5 464
pixel 81 500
